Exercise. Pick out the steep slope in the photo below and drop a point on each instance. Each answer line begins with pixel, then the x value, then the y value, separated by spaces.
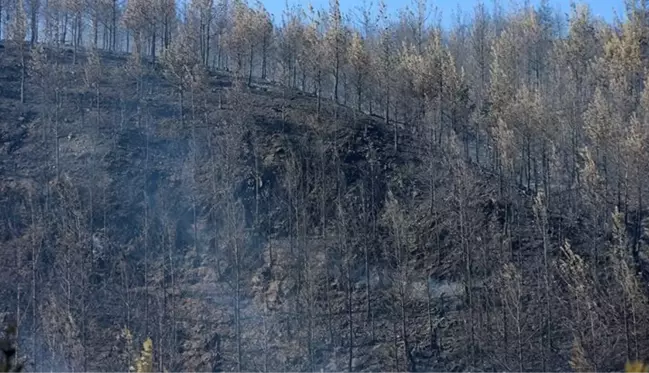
pixel 243 230
pixel 135 203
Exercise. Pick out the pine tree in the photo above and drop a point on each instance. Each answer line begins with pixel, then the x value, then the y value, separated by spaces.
pixel 140 18
pixel 359 59
pixel 182 66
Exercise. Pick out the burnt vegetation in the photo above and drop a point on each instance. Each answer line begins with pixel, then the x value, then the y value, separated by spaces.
pixel 321 191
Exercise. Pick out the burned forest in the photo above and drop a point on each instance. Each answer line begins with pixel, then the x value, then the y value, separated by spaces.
pixel 323 189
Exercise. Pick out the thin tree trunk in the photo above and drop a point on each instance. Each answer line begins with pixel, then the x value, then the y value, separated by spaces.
pixel 627 332
pixel 181 107
pixel 350 315
pixel 35 5
pixel 65 29
pixel 237 306
pixel 318 91
pixel 395 347
pixel 23 73
pixel 468 274
pixel 519 335
pixel 546 287
pixel 113 45
pixel 207 42
pixel 336 77
pixel 250 62
pixel 153 44
pixel 366 254
pixel 431 326
pixel 172 278
pixel 165 35
pixel 477 143
pixel 35 255
pixel 95 30
pixel 387 107
pixel 75 41
pixel 79 29
pixel 56 132
pixel 359 92
pixel 18 281
pixel 265 331
pixel 404 332
pixel 146 237
pixel 264 57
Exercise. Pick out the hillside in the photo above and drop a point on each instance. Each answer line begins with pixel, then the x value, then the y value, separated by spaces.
pixel 304 198
pixel 150 222
pixel 143 237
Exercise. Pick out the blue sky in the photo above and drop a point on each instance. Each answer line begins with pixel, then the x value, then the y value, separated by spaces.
pixel 602 8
